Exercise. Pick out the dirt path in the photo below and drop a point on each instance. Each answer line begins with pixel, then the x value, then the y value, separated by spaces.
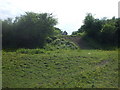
pixel 78 41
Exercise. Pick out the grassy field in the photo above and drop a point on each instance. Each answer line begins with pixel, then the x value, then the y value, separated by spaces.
pixel 60 69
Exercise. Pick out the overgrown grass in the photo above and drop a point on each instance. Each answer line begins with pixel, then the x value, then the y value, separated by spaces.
pixel 30 51
pixel 38 68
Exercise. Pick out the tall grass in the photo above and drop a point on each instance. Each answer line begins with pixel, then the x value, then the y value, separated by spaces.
pixel 30 51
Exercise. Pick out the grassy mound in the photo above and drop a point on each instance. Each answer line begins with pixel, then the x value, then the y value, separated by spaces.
pixel 60 43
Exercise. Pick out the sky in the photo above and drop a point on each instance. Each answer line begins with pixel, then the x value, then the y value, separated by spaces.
pixel 69 13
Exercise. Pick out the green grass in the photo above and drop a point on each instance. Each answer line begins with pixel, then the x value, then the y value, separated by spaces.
pixel 60 69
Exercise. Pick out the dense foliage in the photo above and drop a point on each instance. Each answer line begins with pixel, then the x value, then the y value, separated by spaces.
pixel 104 31
pixel 59 43
pixel 29 30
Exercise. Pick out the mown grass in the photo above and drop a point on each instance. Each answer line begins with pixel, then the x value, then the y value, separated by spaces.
pixel 60 69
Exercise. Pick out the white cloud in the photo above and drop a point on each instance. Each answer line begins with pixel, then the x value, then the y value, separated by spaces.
pixel 70 13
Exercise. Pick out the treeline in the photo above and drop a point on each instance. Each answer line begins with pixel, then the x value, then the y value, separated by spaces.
pixel 32 30
pixel 29 30
pixel 103 31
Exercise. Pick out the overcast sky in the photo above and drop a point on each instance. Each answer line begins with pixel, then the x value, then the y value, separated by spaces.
pixel 70 13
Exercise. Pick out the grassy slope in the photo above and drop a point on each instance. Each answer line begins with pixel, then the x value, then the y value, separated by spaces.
pixel 82 42
pixel 63 68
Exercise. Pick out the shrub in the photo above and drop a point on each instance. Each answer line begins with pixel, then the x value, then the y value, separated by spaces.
pixel 60 43
pixel 49 40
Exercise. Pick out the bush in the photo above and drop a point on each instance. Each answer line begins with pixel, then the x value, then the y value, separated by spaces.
pixel 60 43
pixel 49 40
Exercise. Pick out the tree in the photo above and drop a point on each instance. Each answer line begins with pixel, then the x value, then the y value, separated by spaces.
pixel 7 32
pixel 57 31
pixel 81 29
pixel 104 31
pixel 117 32
pixel 75 33
pixel 108 31
pixel 64 33
pixel 31 29
pixel 92 26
